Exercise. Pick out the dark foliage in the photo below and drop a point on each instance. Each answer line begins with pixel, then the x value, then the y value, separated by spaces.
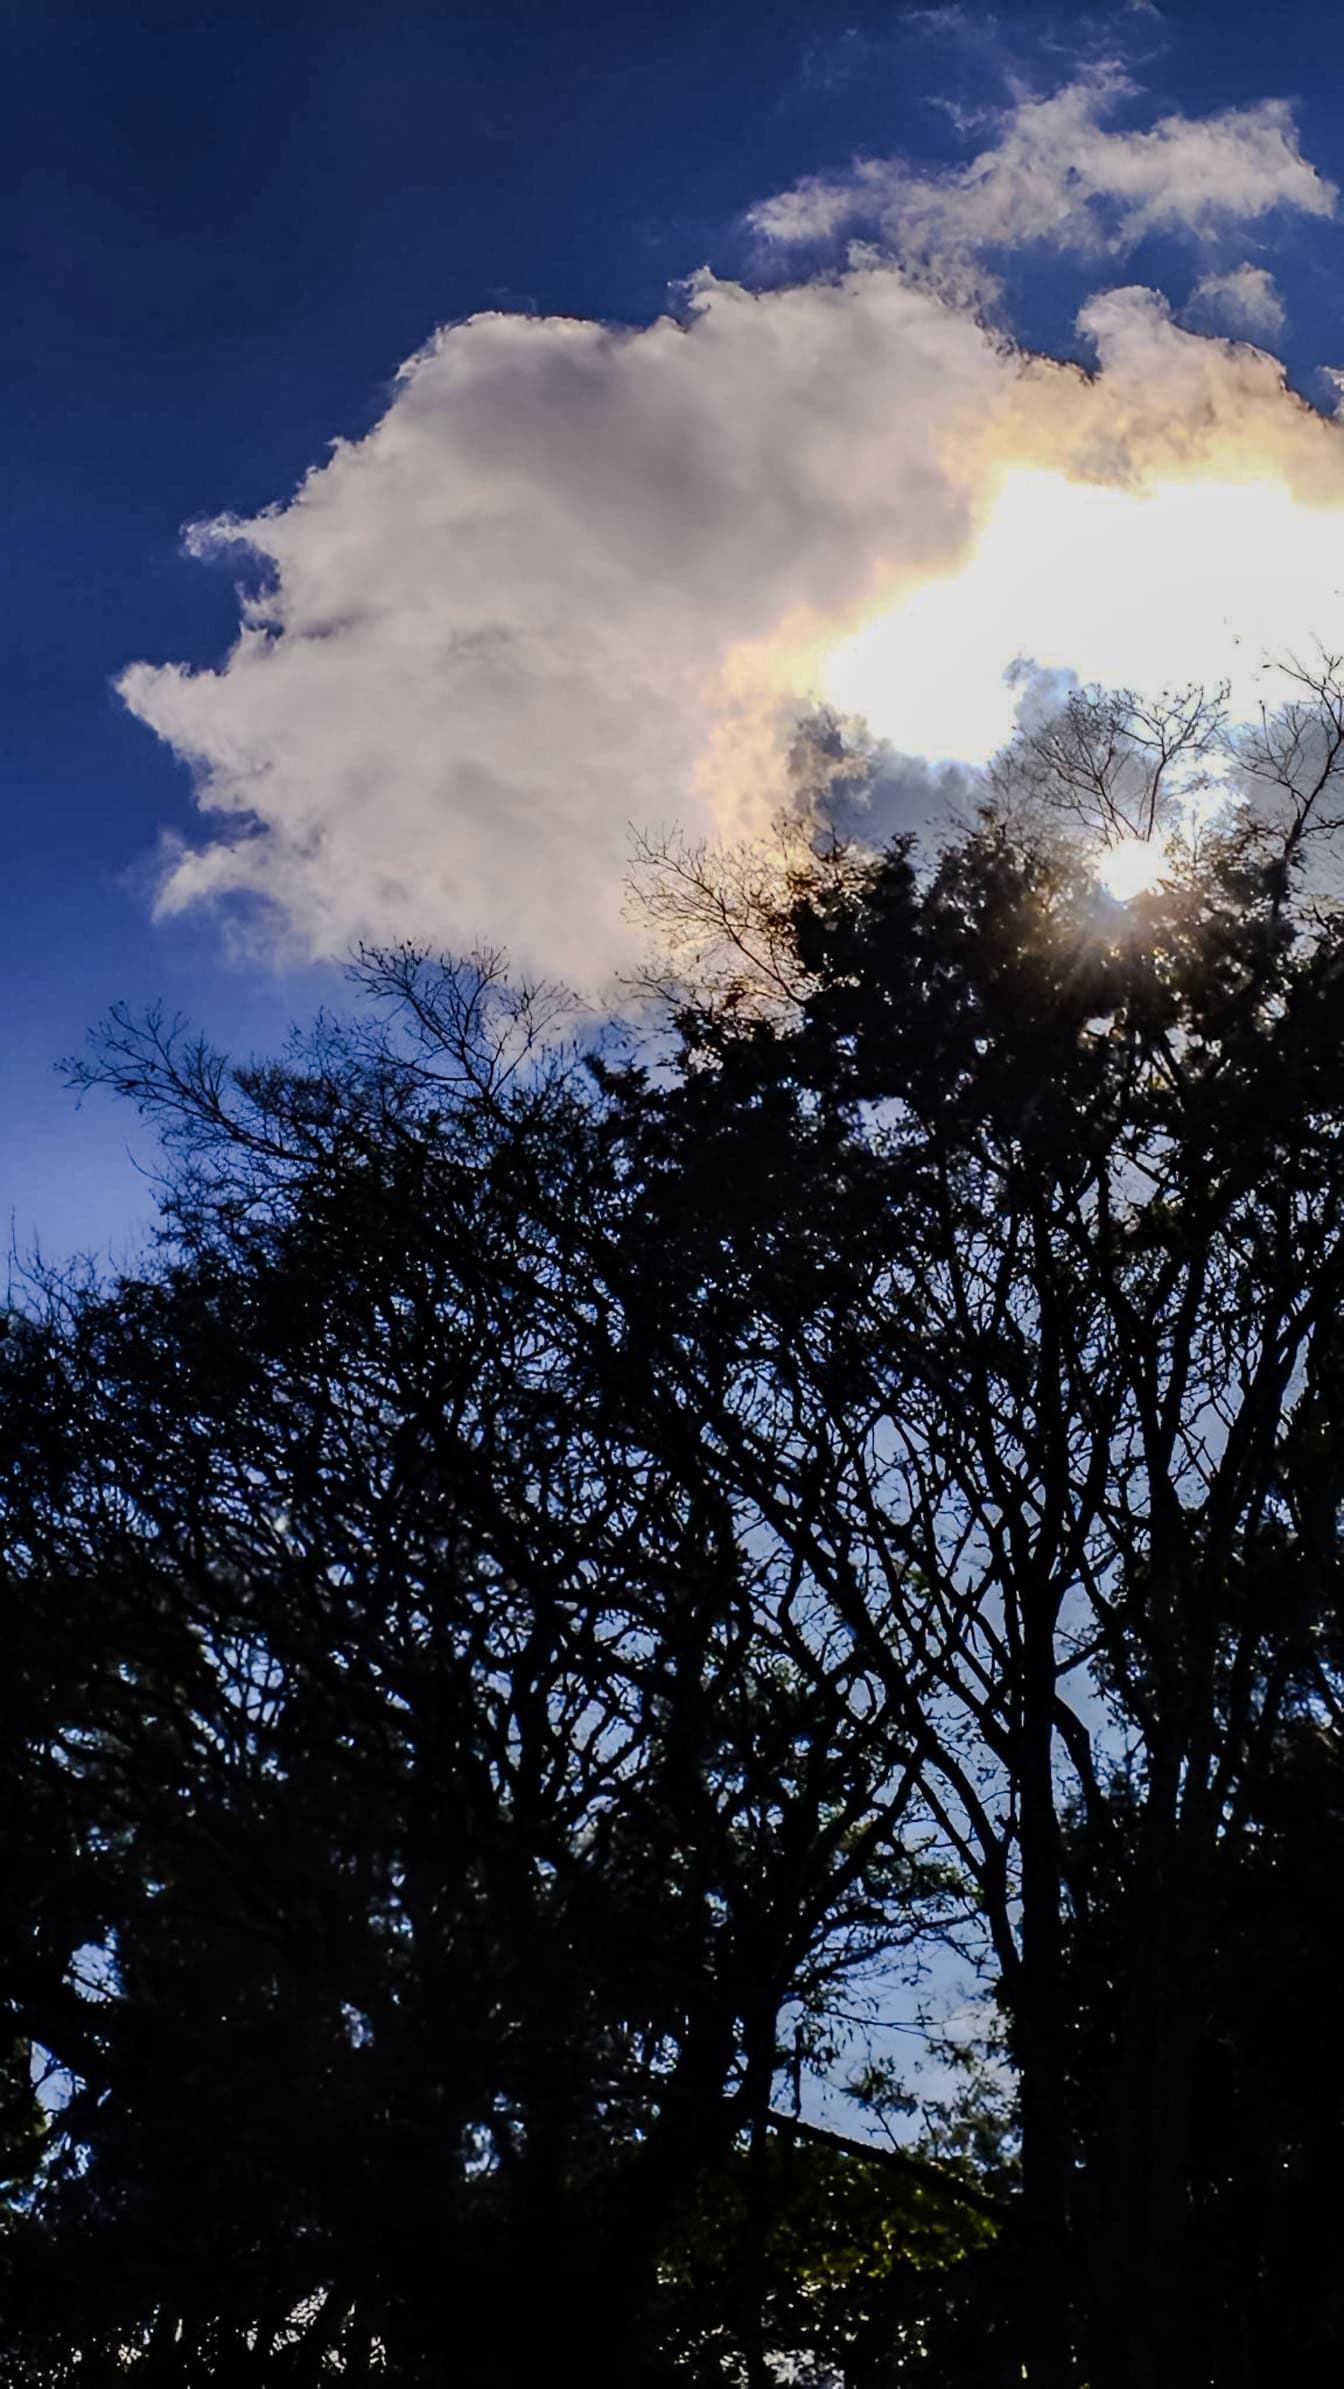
pixel 561 1568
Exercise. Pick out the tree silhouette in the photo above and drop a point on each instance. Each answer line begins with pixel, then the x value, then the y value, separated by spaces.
pixel 565 1562
pixel 1041 1197
pixel 448 1819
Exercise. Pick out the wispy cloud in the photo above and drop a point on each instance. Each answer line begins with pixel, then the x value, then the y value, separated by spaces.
pixel 1246 299
pixel 1058 175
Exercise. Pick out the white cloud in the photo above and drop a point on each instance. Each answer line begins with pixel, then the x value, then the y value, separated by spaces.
pixel 1058 176
pixel 498 627
pixel 1244 300
pixel 579 579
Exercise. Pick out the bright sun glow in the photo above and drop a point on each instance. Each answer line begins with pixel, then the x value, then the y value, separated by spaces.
pixel 1131 867
pixel 1182 582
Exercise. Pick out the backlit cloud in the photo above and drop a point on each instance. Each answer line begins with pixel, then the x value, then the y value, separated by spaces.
pixel 580 580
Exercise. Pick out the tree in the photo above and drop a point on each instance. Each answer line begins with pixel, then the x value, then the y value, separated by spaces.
pixel 565 1559
pixel 1266 2095
pixel 1035 1238
pixel 418 1775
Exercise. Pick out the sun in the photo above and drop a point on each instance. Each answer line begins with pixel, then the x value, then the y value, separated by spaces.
pixel 1131 867
pixel 1150 588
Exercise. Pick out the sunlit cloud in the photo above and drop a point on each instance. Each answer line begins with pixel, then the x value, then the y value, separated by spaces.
pixel 1244 300
pixel 1059 176
pixel 580 581
pixel 1172 581
pixel 519 616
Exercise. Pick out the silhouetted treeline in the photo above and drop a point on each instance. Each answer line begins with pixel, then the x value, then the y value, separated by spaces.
pixel 568 1564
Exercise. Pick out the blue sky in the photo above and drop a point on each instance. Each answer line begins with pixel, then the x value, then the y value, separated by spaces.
pixel 230 229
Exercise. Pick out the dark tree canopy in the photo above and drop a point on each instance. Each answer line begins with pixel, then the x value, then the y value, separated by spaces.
pixel 570 1567
pixel 428 1791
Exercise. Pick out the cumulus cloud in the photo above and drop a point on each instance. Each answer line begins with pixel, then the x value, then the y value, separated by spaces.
pixel 574 579
pixel 502 628
pixel 1058 176
pixel 1245 300
pixel 580 581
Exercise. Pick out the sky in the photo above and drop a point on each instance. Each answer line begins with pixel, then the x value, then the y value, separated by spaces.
pixel 442 440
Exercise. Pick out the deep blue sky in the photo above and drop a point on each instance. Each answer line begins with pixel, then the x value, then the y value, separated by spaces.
pixel 226 228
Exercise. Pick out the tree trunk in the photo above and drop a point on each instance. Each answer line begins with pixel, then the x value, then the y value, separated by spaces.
pixel 1145 2326
pixel 1047 2156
